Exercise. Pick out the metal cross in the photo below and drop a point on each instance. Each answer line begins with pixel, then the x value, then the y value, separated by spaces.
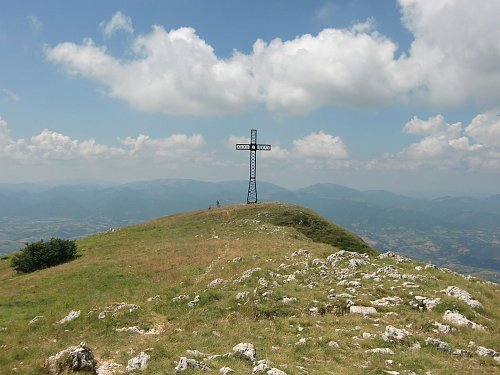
pixel 253 147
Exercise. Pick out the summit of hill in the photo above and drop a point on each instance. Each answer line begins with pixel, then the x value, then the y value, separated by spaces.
pixel 265 288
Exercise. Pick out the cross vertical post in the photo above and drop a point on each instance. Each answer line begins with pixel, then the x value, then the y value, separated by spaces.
pixel 253 147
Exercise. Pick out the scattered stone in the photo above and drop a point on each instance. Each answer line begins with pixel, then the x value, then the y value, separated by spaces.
pixel 156 330
pixel 462 353
pixel 262 282
pixel 364 310
pixel 241 295
pixel 301 341
pixel 416 346
pixel 288 299
pixel 353 284
pixel 301 252
pixel 71 316
pixel 394 334
pixel 112 309
pixel 389 254
pixel 388 301
pixel 355 263
pixel 367 335
pixel 485 352
pixel 138 363
pixel 237 260
pixel 180 298
pixel 442 328
pixel 216 282
pixel 247 350
pixel 441 345
pixel 418 268
pixel 226 370
pixel 194 301
pixel 72 359
pixel 314 311
pixel 425 303
pixel 109 368
pixel 455 291
pixel 333 344
pixel 343 295
pixel 189 363
pixel 459 320
pixel 275 371
pixel 155 298
pixel 380 351
pixel 261 367
pixel 36 319
pixel 392 372
pixel 247 274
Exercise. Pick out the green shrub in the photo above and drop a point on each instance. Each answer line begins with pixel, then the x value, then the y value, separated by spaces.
pixel 41 254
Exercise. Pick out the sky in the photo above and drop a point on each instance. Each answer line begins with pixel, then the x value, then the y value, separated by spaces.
pixel 397 95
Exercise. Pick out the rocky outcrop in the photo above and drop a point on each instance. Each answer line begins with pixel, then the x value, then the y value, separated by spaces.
pixel 138 363
pixel 459 320
pixel 226 370
pixel 364 310
pixel 393 334
pixel 455 291
pixel 71 316
pixel 380 351
pixel 189 363
pixel 425 303
pixel 441 345
pixel 112 309
pixel 72 359
pixel 246 350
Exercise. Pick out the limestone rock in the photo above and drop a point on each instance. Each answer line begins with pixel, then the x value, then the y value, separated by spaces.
pixel 226 370
pixel 333 344
pixel 156 330
pixel 36 319
pixel 189 363
pixel 425 303
pixel 72 359
pixel 485 352
pixel 247 350
pixel 109 368
pixel 112 309
pixel 262 367
pixel 459 320
pixel 394 334
pixel 275 371
pixel 216 282
pixel 301 252
pixel 441 345
pixel 71 316
pixel 194 301
pixel 181 297
pixel 455 291
pixel 247 274
pixel 388 301
pixel 442 328
pixel 364 310
pixel 138 363
pixel 241 295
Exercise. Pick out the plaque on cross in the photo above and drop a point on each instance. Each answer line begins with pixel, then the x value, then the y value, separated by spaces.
pixel 253 147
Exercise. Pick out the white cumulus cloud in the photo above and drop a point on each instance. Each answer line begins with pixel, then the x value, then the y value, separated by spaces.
pixel 35 23
pixel 453 59
pixel 50 145
pixel 119 22
pixel 320 145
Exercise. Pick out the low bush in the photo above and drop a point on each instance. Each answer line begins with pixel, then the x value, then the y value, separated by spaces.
pixel 44 254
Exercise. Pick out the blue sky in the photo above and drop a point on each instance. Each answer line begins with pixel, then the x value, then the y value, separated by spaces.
pixel 399 95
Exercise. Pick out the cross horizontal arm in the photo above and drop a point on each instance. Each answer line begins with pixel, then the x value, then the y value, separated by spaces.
pixel 242 146
pixel 264 147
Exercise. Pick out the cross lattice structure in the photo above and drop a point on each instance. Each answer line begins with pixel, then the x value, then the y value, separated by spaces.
pixel 253 147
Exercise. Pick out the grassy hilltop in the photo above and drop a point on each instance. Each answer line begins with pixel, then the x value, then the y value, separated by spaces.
pixel 296 306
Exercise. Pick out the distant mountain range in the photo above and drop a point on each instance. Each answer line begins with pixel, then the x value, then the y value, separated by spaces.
pixel 462 233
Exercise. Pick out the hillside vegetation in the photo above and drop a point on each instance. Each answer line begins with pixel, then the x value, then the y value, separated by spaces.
pixel 275 275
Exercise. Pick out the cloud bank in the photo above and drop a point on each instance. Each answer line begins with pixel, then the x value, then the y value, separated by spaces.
pixel 177 72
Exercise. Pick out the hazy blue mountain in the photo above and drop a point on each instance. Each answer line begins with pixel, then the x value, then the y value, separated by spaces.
pixel 453 231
